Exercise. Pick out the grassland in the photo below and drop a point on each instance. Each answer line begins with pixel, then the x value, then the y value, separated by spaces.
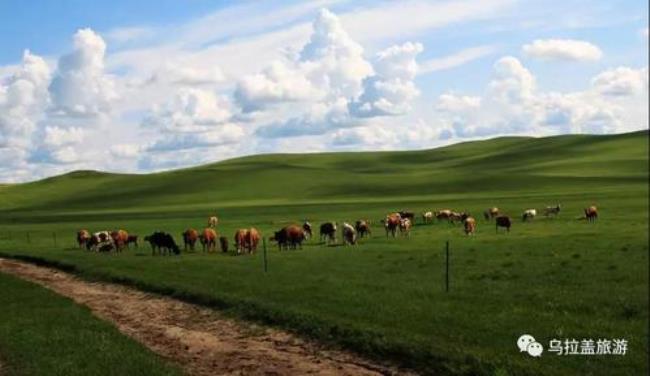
pixel 553 278
pixel 42 333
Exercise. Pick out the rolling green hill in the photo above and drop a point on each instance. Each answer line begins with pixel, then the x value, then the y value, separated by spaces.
pixel 510 165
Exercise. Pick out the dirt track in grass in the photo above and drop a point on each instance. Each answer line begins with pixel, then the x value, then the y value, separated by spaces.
pixel 200 340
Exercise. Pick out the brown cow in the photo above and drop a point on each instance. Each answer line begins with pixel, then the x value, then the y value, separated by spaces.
pixel 290 236
pixel 591 213
pixel 208 239
pixel 349 234
pixel 503 221
pixel 190 236
pixel 213 221
pixel 392 223
pixel 83 236
pixel 470 225
pixel 132 239
pixel 120 238
pixel 253 239
pixel 443 215
pixel 363 228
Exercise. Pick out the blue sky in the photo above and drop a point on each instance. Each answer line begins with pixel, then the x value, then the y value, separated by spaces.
pixel 139 86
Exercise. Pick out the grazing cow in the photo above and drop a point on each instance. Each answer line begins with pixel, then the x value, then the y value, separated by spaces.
pixel 529 214
pixel 349 234
pixel 444 214
pixel 120 237
pixel 190 236
pixel 290 236
pixel 213 222
pixel 163 243
pixel 101 242
pixel 550 210
pixel 457 217
pixel 363 227
pixel 427 217
pixel 132 239
pixel 208 239
pixel 392 223
pixel 246 240
pixel 469 223
pixel 491 213
pixel 328 232
pixel 307 228
pixel 223 243
pixel 407 215
pixel 405 227
pixel 503 221
pixel 591 213
pixel 83 236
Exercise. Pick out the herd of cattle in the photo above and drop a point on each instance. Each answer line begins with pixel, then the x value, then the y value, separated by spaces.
pixel 292 236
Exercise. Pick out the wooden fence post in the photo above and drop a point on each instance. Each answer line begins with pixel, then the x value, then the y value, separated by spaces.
pixel 265 259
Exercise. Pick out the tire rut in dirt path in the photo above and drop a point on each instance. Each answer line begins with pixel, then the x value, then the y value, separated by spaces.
pixel 201 340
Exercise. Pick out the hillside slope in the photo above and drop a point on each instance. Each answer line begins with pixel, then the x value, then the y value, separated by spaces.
pixel 510 164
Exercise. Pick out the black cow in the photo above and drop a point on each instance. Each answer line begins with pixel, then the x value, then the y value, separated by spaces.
pixel 503 221
pixel 328 232
pixel 163 243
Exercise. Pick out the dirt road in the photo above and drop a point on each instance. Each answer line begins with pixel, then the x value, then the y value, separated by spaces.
pixel 200 340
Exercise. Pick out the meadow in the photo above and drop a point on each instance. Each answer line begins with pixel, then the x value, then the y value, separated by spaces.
pixel 385 298
pixel 42 333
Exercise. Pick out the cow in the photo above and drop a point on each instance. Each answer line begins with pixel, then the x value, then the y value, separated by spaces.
pixel 349 234
pixel 363 228
pixel 328 232
pixel 469 224
pixel 132 239
pixel 591 213
pixel 491 213
pixel 290 236
pixel 427 217
pixel 240 239
pixel 444 214
pixel 407 215
pixel 83 236
pixel 223 243
pixel 457 217
pixel 213 222
pixel 208 239
pixel 163 243
pixel 101 241
pixel 529 214
pixel 550 210
pixel 190 236
pixel 307 228
pixel 392 223
pixel 503 221
pixel 120 237
pixel 405 227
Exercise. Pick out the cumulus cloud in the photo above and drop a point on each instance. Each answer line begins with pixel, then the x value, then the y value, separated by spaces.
pixel 615 102
pixel 391 89
pixel 23 96
pixel 621 81
pixel 563 49
pixel 81 87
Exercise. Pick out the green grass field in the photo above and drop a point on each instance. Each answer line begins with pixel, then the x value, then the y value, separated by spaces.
pixel 42 333
pixel 552 278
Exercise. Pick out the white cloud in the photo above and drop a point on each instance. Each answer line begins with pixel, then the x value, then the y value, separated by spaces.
pixel 457 59
pixel 127 151
pixel 621 81
pixel 563 49
pixel 57 136
pixel 81 87
pixel 615 102
pixel 391 89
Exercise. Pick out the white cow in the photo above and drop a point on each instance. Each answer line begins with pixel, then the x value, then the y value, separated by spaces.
pixel 529 215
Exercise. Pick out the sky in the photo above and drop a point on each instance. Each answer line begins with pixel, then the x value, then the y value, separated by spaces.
pixel 142 86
